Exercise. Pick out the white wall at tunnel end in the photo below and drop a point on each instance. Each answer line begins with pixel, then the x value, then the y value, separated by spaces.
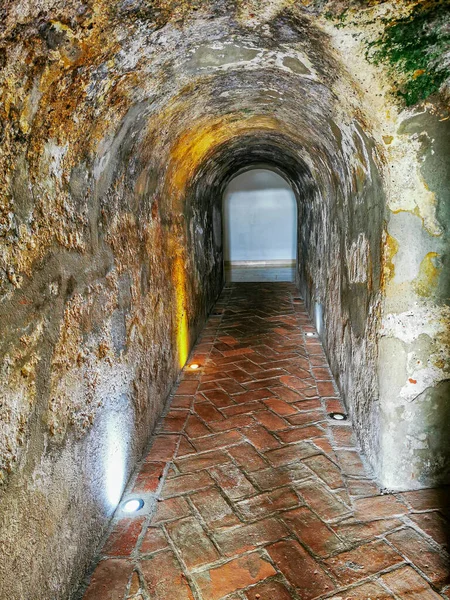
pixel 260 219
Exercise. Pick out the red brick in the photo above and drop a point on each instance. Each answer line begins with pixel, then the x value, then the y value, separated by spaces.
pixel 149 477
pixel 243 409
pixel 334 405
pixel 185 448
pixel 324 468
pixel 289 454
pixel 195 428
pixel 260 437
pixel 343 436
pixel 297 383
pixel 186 483
pixel 312 532
pixel 322 501
pixel 362 487
pixel 219 398
pixel 153 540
pixel 173 508
pixel 109 580
pixel 187 387
pixel 191 541
pixel 247 457
pixel 358 532
pixel 434 524
pixel 350 463
pixel 237 540
pixel 300 569
pixel 174 422
pixel 182 402
pixel 238 352
pixel 233 423
pixel 232 481
pixel 366 591
pixel 165 578
pixel 231 386
pixel 270 421
pixel 123 538
pixel 435 565
pixel 323 443
pixel 261 383
pixel 268 503
pixel 202 461
pixel 286 394
pixel 321 374
pixel 239 375
pixel 408 584
pixel 214 509
pixel 363 561
pixel 163 448
pixel 306 418
pixel 218 440
pixel 232 576
pixel 280 406
pixel 429 499
pixel 276 477
pixel 208 412
pixel 368 509
pixel 309 404
pixel 252 395
pixel 296 434
pixel 268 590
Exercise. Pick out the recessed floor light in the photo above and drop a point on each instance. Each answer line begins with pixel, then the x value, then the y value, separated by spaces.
pixel 337 416
pixel 194 366
pixel 132 505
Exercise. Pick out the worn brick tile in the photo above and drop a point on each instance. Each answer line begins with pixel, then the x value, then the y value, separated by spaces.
pixel 350 463
pixel 268 590
pixel 240 409
pixel 247 457
pixel 232 481
pixel 409 585
pixel 191 541
pixel 295 434
pixel 435 565
pixel 323 443
pixel 163 448
pixel 208 412
pixel 182 402
pixel 173 508
pixel 185 448
pixel 363 561
pixel 321 500
pixel 109 580
pixel 271 421
pixel 165 578
pixel 359 532
pixel 214 509
pixel 233 423
pixel 186 483
pixel 195 428
pixel 218 440
pixel 434 524
pixel 276 477
pixel 306 418
pixel 123 538
pixel 149 477
pixel 300 569
pixel 366 591
pixel 174 423
pixel 376 507
pixel 237 540
pixel 343 436
pixel 429 499
pixel 289 454
pixel 252 395
pixel 187 387
pixel 362 487
pixel 202 461
pixel 268 503
pixel 219 398
pixel 324 468
pixel 334 405
pixel 287 394
pixel 320 538
pixel 234 575
pixel 153 540
pixel 279 406
pixel 231 386
pixel 260 437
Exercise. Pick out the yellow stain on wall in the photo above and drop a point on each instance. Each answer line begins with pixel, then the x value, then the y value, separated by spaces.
pixel 181 320
pixel 426 281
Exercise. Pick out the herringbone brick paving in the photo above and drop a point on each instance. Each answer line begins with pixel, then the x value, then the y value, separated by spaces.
pixel 258 494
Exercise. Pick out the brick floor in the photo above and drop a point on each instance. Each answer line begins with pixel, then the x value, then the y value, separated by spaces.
pixel 254 493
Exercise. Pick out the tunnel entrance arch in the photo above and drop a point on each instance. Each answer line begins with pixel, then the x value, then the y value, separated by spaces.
pixel 259 219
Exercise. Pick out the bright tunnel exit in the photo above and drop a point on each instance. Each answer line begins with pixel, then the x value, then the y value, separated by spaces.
pixel 260 227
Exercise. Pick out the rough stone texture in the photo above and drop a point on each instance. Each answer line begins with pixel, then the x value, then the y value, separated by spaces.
pixel 121 124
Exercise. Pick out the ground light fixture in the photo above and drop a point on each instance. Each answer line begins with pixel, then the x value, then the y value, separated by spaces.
pixel 338 416
pixel 194 366
pixel 132 505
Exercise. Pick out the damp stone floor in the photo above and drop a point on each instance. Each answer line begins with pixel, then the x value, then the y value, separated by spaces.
pixel 252 492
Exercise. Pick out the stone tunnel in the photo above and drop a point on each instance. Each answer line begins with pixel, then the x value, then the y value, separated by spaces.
pixel 122 124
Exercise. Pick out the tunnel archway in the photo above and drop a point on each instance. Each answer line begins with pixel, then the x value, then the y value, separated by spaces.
pixel 259 214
